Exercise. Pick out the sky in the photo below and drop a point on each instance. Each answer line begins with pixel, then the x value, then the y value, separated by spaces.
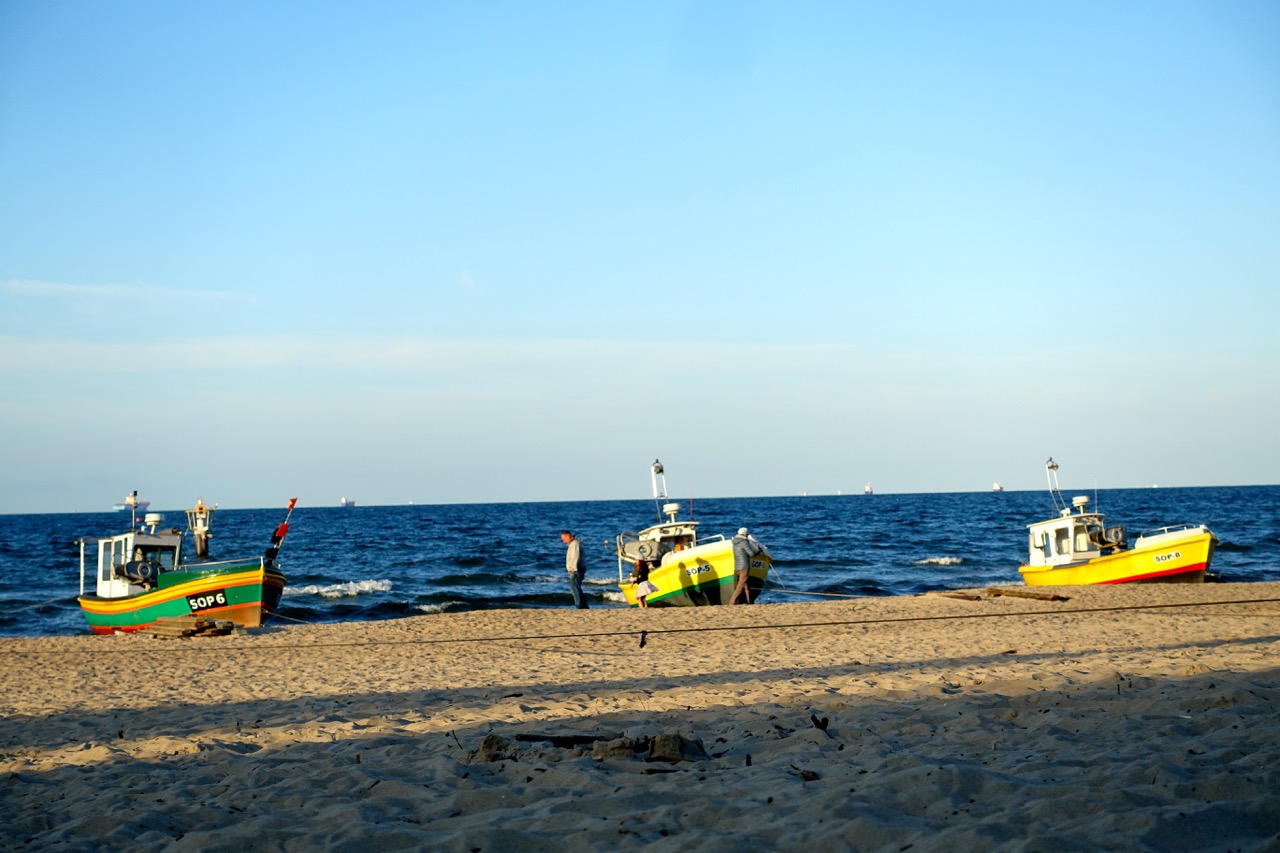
pixel 444 252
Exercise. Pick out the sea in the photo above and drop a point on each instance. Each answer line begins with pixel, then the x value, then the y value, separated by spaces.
pixel 365 563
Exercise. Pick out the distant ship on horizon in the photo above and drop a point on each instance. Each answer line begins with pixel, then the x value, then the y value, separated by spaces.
pixel 346 503
pixel 131 501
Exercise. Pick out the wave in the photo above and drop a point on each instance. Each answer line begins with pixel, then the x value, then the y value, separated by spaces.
pixel 441 607
pixel 340 590
pixel 940 561
pixel 1232 547
pixel 477 579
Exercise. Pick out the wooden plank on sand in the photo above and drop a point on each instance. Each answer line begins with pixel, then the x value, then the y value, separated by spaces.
pixel 1026 593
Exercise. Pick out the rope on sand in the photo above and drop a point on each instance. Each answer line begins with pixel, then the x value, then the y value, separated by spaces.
pixel 293 619
pixel 807 592
pixel 649 632
pixel 36 605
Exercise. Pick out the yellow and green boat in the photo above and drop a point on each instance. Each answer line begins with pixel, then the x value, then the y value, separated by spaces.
pixel 686 570
pixel 141 577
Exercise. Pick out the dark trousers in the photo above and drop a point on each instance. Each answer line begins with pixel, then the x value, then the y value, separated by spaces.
pixel 575 586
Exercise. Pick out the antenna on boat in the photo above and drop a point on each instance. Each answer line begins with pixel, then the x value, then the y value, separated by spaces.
pixel 131 504
pixel 658 496
pixel 1055 492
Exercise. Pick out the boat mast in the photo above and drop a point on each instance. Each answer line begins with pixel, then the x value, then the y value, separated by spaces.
pixel 131 504
pixel 658 495
pixel 1051 473
pixel 273 550
pixel 200 523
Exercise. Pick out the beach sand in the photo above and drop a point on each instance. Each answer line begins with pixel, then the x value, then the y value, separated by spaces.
pixel 1122 718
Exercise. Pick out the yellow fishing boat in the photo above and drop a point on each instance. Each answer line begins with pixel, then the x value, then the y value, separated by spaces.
pixel 1078 547
pixel 684 569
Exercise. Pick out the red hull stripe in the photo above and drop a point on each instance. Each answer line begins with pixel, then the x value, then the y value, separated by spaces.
pixel 1197 567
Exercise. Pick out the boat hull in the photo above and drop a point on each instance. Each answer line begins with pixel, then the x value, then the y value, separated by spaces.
pixel 1174 561
pixel 699 577
pixel 245 595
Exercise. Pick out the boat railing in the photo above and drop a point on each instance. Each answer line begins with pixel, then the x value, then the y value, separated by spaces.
pixel 620 549
pixel 217 564
pixel 1172 528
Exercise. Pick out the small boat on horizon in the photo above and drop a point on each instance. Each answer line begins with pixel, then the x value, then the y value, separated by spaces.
pixel 1078 548
pixel 346 503
pixel 141 577
pixel 866 490
pixel 684 568
pixel 997 487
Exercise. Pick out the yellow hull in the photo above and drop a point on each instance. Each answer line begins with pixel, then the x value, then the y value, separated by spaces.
pixel 1176 561
pixel 699 576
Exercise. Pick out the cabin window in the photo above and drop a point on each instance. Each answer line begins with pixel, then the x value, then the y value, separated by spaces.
pixel 1062 541
pixel 110 555
pixel 161 555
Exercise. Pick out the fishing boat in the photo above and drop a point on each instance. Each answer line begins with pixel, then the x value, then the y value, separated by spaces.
pixel 1077 547
pixel 686 568
pixel 867 490
pixel 346 503
pixel 997 487
pixel 142 577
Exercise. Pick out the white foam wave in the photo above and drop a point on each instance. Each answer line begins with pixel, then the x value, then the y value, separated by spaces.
pixel 340 590
pixel 940 561
pixel 614 595
pixel 432 608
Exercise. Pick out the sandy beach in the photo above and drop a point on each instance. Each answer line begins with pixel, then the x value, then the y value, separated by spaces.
pixel 1120 718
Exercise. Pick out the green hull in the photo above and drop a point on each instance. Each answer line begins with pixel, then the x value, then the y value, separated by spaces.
pixel 245 595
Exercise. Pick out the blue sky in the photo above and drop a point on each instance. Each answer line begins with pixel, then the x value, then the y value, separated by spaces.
pixel 453 252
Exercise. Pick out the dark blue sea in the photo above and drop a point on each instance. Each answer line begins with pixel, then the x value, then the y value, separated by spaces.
pixel 386 562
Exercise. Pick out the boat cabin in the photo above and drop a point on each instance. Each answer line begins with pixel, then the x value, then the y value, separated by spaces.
pixel 1075 536
pixel 653 543
pixel 132 562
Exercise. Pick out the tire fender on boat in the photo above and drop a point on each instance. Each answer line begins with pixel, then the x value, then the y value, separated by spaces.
pixel 140 571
